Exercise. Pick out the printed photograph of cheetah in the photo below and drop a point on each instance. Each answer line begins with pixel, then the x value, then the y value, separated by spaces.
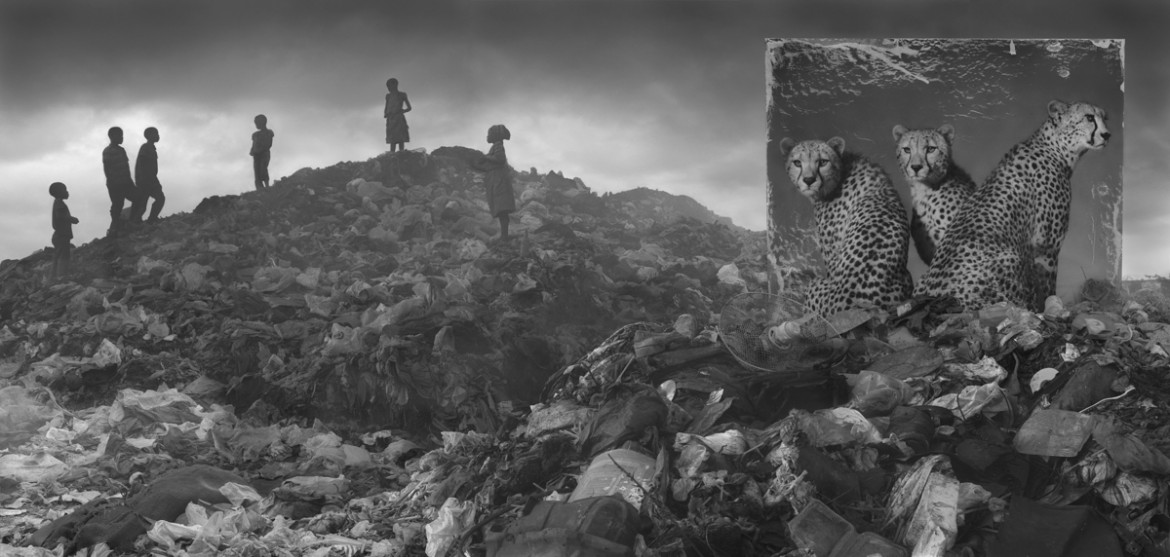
pixel 985 169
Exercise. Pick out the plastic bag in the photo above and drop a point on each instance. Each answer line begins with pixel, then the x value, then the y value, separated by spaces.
pixel 876 394
pixel 1129 452
pixel 454 517
pixel 972 400
pixel 42 467
pixel 837 426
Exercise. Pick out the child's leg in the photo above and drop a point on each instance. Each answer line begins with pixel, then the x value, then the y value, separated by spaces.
pixel 257 171
pixel 156 207
pixel 503 225
pixel 64 259
pixel 138 197
pixel 265 158
pixel 60 258
pixel 117 203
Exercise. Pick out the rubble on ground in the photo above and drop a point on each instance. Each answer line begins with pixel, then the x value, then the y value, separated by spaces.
pixel 346 363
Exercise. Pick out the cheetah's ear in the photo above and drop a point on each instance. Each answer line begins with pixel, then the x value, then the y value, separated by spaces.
pixel 786 145
pixel 1056 107
pixel 837 144
pixel 948 132
pixel 899 131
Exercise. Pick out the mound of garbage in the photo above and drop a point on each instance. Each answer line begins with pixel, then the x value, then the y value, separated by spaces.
pixel 347 364
pixel 369 291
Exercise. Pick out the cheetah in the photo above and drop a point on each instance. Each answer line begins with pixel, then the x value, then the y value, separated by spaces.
pixel 861 226
pixel 1005 242
pixel 938 186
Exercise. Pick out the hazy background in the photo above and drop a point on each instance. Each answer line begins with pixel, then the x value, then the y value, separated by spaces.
pixel 663 94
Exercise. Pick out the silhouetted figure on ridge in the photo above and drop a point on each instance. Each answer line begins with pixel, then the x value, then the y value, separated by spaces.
pixel 397 105
pixel 261 150
pixel 498 178
pixel 146 174
pixel 120 186
pixel 63 223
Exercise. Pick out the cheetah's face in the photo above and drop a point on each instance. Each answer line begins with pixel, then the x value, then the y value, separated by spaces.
pixel 924 155
pixel 1079 126
pixel 814 166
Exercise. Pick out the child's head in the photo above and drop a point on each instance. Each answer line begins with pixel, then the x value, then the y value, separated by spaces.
pixel 392 84
pixel 58 190
pixel 115 135
pixel 151 134
pixel 498 133
pixel 261 121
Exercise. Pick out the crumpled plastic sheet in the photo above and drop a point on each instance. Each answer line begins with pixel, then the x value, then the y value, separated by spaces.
pixel 1129 452
pixel 986 370
pixel 454 517
pixel 156 410
pixel 41 467
pixel 877 393
pixel 271 280
pixel 932 530
pixel 836 426
pixel 238 494
pixel 107 354
pixel 310 488
pixel 23 413
pixel 988 399
pixel 1128 490
pixel 208 532
pixel 100 550
pixel 908 488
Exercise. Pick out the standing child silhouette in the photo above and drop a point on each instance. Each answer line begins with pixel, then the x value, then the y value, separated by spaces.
pixel 498 178
pixel 261 150
pixel 62 229
pixel 397 105
pixel 120 186
pixel 146 174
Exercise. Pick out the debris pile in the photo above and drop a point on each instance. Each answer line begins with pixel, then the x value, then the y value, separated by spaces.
pixel 369 290
pixel 346 364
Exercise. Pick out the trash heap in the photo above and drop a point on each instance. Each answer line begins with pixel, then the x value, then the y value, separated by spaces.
pixel 344 364
pixel 369 292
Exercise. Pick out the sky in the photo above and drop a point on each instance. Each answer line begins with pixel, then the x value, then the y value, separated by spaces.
pixel 668 95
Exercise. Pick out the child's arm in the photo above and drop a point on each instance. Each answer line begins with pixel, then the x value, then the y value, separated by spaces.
pixel 492 160
pixel 407 102
pixel 496 154
pixel 61 215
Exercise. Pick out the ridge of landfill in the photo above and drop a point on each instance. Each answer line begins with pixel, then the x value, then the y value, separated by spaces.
pixel 346 364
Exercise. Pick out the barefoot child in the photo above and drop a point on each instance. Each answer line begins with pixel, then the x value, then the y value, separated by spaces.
pixel 498 178
pixel 261 150
pixel 146 174
pixel 119 184
pixel 397 105
pixel 62 229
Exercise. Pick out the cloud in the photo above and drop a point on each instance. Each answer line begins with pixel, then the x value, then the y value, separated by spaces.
pixel 668 95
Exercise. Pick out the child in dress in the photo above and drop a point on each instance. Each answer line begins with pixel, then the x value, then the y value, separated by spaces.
pixel 397 105
pixel 498 179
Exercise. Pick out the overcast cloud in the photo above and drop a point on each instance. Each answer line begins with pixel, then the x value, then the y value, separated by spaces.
pixel 667 95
